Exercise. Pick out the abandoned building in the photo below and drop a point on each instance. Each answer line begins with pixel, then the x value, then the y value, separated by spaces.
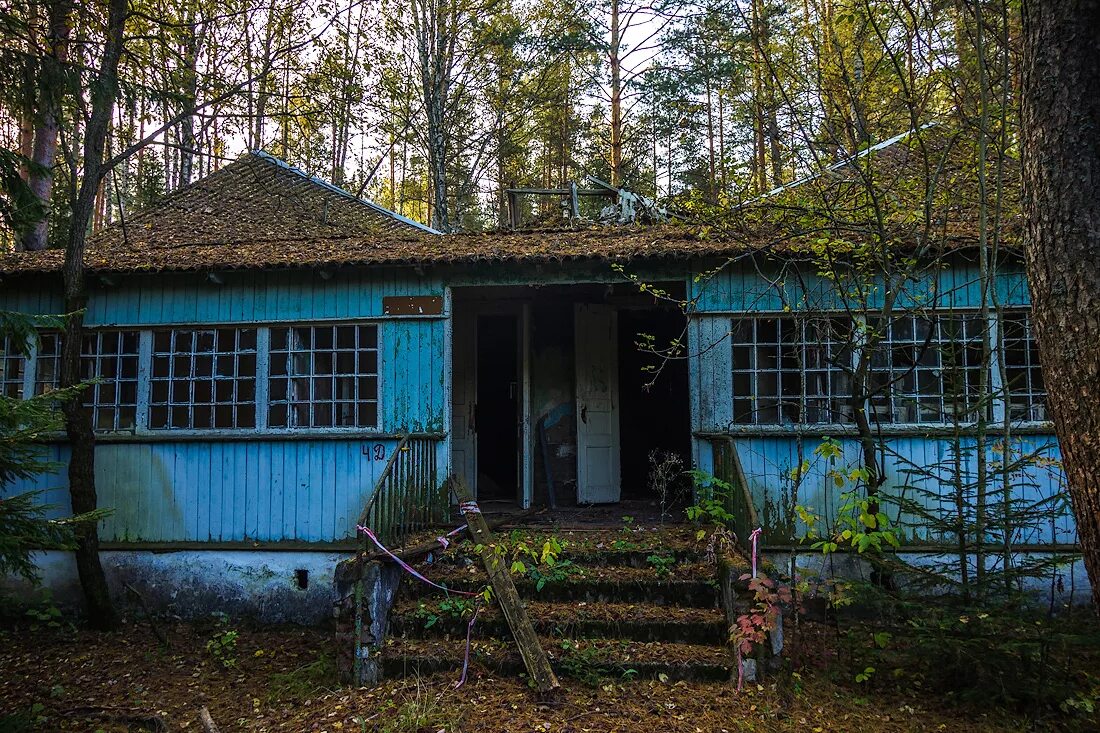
pixel 269 349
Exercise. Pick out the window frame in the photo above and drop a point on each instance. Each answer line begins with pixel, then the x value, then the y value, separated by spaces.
pixel 262 376
pixel 313 376
pixel 92 395
pixel 996 410
pixel 804 322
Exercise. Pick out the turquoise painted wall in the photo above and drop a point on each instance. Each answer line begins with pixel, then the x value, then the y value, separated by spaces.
pixel 309 488
pixel 768 453
pixel 239 485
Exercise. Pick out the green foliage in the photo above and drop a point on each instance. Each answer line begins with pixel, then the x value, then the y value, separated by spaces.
pixel 425 712
pixel 859 524
pixel 223 645
pixel 992 655
pixel 24 528
pixel 47 614
pixel 452 607
pixel 25 524
pixel 24 721
pixel 662 564
pixel 559 572
pixel 19 207
pixel 714 496
pixel 581 662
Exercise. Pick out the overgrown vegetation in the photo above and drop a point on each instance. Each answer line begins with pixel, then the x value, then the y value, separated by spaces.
pixel 26 523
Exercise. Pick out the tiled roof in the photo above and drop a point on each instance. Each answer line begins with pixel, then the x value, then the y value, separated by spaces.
pixel 386 248
pixel 260 213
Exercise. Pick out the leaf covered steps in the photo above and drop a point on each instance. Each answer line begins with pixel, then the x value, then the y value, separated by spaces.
pixel 640 622
pixel 587 659
pixel 627 602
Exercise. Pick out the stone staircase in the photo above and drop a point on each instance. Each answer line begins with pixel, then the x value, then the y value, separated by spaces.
pixel 621 603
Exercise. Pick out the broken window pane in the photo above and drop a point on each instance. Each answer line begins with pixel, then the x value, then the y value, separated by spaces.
pixel 199 379
pixel 112 358
pixel 324 376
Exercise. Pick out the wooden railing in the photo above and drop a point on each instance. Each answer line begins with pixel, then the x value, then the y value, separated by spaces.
pixel 408 496
pixel 738 500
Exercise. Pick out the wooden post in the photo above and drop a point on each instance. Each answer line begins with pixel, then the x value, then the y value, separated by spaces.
pixel 534 657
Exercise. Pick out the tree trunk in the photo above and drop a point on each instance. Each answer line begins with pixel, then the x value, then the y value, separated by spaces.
pixel 616 98
pixel 194 35
pixel 51 89
pixel 1061 172
pixel 78 422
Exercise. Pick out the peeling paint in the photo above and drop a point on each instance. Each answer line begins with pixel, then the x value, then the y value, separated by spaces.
pixel 259 585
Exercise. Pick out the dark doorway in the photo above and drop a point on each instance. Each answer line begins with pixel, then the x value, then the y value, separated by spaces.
pixel 497 407
pixel 654 414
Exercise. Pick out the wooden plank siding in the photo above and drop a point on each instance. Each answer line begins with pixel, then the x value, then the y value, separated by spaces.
pixel 769 453
pixel 241 485
pixel 308 488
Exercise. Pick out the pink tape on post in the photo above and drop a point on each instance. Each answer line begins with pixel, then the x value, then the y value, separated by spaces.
pixel 754 537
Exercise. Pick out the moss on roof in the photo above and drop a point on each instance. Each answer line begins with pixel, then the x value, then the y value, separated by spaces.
pixel 260 213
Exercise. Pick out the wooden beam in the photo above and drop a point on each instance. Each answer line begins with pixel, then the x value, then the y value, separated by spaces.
pixel 534 656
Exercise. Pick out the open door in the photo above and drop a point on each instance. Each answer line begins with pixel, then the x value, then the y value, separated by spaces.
pixel 597 370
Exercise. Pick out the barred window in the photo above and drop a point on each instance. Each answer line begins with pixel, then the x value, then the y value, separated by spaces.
pixel 47 363
pixel 112 358
pixel 1025 390
pixel 203 378
pixel 324 376
pixel 792 369
pixel 928 370
pixel 13 366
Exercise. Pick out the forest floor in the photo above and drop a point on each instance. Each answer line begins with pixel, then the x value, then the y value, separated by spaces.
pixel 60 678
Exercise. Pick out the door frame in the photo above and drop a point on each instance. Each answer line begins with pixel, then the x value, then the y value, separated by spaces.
pixel 524 445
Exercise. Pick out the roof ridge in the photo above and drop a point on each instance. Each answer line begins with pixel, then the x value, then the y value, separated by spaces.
pixel 269 158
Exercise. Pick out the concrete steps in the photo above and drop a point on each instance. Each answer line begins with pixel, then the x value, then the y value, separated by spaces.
pixel 612 607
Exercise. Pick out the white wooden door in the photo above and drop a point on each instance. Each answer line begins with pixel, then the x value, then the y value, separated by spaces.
pixel 464 388
pixel 597 369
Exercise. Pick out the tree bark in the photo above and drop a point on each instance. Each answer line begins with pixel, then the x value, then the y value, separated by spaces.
pixel 616 97
pixel 1061 172
pixel 78 423
pixel 51 89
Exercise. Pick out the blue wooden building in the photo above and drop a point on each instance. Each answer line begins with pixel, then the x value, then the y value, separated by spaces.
pixel 264 343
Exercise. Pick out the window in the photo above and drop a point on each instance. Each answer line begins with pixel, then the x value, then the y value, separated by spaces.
pixel 13 365
pixel 203 378
pixel 928 370
pixel 324 376
pixel 1025 391
pixel 112 357
pixel 789 369
pixel 47 363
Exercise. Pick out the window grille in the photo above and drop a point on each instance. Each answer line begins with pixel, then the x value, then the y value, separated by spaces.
pixel 792 369
pixel 1025 390
pixel 47 363
pixel 111 357
pixel 928 370
pixel 203 378
pixel 324 376
pixel 13 366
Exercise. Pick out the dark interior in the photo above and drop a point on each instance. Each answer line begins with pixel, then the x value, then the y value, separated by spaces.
pixel 653 412
pixel 497 407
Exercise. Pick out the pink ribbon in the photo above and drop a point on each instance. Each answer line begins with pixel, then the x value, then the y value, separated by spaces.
pixel 466 658
pixel 754 537
pixel 412 571
pixel 409 568
pixel 442 539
